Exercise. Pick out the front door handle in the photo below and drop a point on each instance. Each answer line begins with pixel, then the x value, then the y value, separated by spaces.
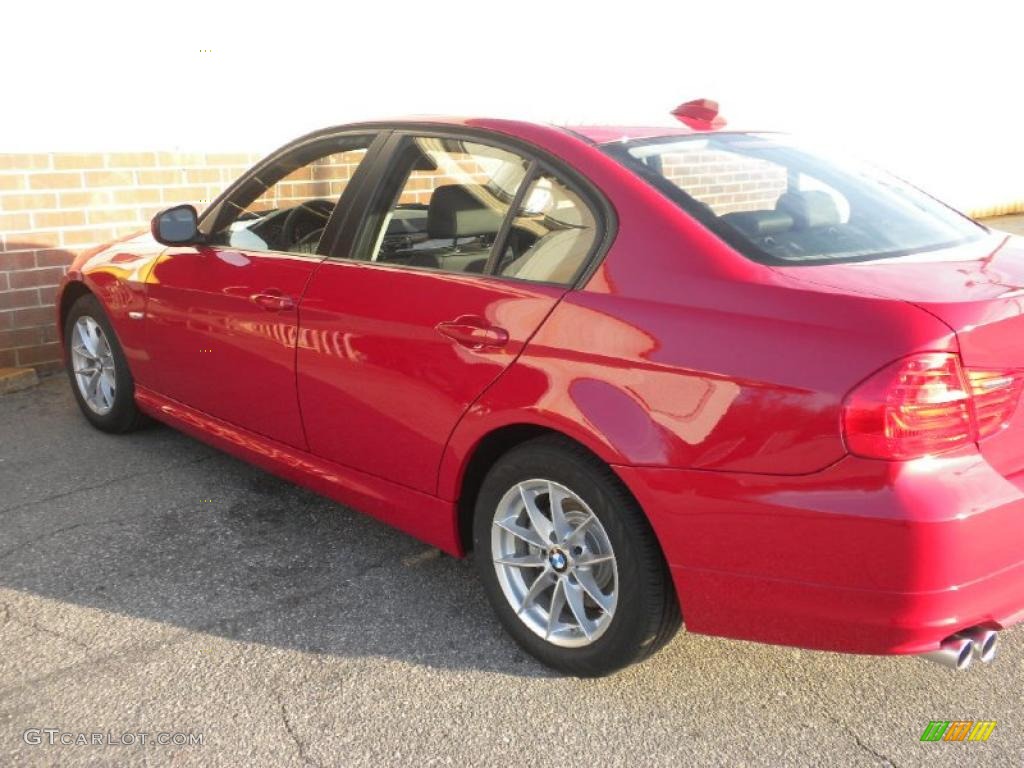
pixel 474 333
pixel 273 301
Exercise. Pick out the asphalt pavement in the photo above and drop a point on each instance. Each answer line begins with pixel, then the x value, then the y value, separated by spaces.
pixel 152 585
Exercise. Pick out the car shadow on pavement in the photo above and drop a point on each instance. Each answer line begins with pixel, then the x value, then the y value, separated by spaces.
pixel 158 526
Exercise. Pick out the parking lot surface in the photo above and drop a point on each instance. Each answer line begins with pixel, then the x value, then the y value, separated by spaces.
pixel 150 584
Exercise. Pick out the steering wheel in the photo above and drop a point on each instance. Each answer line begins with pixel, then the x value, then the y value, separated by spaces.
pixel 315 212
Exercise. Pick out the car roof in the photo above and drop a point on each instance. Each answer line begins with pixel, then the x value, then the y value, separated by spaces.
pixel 604 134
pixel 594 134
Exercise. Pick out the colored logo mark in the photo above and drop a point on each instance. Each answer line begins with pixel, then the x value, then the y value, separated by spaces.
pixel 958 730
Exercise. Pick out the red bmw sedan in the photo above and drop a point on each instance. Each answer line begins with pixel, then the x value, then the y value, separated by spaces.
pixel 646 375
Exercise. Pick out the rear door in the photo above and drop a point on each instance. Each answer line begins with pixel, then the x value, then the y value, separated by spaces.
pixel 222 317
pixel 463 250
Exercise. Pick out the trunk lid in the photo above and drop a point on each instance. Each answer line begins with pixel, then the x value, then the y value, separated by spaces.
pixel 976 289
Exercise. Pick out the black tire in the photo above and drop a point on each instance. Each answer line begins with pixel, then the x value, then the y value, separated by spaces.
pixel 647 613
pixel 123 415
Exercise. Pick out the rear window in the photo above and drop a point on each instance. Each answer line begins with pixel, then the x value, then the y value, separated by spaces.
pixel 779 203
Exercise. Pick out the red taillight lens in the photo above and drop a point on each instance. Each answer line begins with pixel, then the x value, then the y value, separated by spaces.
pixel 916 406
pixel 927 404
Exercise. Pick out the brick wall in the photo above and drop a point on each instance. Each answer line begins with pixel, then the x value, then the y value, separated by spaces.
pixel 724 180
pixel 53 206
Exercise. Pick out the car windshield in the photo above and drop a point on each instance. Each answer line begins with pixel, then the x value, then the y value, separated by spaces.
pixel 779 203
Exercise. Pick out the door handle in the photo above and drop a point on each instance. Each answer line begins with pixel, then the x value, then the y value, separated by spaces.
pixel 273 301
pixel 473 332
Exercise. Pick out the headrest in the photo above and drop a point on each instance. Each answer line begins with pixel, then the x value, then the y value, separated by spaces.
pixel 456 212
pixel 813 208
pixel 759 223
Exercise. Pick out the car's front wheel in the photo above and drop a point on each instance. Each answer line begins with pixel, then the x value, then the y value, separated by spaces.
pixel 98 369
pixel 569 561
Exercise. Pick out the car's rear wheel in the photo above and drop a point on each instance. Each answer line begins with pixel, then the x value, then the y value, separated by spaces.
pixel 569 561
pixel 98 370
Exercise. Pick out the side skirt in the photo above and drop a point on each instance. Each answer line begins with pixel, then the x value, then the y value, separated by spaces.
pixel 421 515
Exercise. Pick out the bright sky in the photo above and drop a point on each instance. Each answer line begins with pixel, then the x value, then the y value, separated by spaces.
pixel 931 90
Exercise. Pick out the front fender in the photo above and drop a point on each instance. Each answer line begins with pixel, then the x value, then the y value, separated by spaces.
pixel 116 275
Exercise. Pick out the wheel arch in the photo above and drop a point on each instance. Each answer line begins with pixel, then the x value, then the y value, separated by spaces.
pixel 488 448
pixel 72 292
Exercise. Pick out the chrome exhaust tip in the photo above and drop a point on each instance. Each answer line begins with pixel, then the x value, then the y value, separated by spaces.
pixel 954 652
pixel 984 643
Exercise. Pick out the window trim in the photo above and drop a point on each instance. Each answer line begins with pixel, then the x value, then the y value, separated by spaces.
pixel 540 162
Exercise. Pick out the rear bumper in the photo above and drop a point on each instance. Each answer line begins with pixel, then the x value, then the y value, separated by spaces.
pixel 863 557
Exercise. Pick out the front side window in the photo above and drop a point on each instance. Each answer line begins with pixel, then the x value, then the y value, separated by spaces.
pixel 777 202
pixel 458 205
pixel 285 206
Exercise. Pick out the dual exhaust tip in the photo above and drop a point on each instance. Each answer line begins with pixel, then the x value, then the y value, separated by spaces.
pixel 958 651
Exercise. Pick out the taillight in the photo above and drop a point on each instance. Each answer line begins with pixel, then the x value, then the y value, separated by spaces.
pixel 927 404
pixel 995 398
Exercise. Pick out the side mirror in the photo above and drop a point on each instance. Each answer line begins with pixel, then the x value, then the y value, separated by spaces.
pixel 176 226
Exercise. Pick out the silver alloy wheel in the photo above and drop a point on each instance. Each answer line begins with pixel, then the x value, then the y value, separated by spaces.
pixel 93 364
pixel 555 563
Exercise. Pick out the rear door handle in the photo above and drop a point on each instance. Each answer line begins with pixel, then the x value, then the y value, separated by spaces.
pixel 473 333
pixel 273 301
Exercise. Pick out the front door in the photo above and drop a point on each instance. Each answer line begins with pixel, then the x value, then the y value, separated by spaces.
pixel 444 287
pixel 222 317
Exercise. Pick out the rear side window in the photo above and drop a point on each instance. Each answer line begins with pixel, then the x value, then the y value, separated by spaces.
pixel 461 205
pixel 445 204
pixel 777 202
pixel 551 235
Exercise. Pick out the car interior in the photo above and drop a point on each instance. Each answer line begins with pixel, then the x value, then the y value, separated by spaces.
pixel 802 221
pixel 548 239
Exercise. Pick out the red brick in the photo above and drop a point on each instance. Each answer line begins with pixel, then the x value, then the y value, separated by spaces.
pixel 54 258
pixel 47 296
pixel 34 278
pixel 23 337
pixel 26 260
pixel 7 319
pixel 17 299
pixel 4 284
pixel 32 317
pixel 8 359
pixel 44 353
